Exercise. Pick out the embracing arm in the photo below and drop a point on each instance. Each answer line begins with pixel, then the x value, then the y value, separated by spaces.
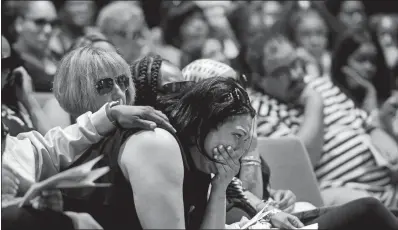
pixel 60 147
pixel 156 174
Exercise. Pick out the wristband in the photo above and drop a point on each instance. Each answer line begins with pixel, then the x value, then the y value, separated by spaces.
pixel 108 107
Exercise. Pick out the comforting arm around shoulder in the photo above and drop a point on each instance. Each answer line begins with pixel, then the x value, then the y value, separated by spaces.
pixel 151 161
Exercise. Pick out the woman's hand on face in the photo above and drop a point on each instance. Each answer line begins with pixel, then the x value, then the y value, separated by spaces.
pixel 227 167
pixel 357 77
pixel 284 220
pixel 49 199
pixel 145 117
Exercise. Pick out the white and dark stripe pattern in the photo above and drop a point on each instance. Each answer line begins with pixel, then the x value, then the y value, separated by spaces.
pixel 346 159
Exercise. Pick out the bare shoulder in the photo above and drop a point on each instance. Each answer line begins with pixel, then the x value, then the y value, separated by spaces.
pixel 157 150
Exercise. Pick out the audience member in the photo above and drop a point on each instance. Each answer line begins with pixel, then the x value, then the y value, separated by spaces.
pixel 344 148
pixel 360 70
pixel 35 25
pixel 77 18
pixel 20 111
pixel 130 159
pixel 124 25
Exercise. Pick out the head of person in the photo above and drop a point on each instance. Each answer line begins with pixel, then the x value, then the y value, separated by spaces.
pixel 96 40
pixel 387 30
pixel 309 30
pixel 351 13
pixel 89 77
pixel 123 23
pixel 213 48
pixel 360 54
pixel 207 68
pixel 35 24
pixel 78 14
pixel 213 112
pixel 186 26
pixel 153 77
pixel 271 12
pixel 277 69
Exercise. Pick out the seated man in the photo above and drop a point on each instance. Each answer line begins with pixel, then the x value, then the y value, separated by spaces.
pixel 352 158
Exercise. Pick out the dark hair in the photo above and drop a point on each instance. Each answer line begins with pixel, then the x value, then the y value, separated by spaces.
pixel 198 109
pixel 145 73
pixel 348 43
pixel 175 18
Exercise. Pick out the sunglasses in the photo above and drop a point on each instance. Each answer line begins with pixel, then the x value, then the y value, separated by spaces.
pixel 175 87
pixel 41 22
pixel 105 86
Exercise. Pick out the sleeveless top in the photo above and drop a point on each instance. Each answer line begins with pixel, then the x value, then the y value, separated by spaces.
pixel 113 207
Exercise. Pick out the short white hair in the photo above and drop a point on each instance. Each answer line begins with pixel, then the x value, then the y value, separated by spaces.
pixel 114 16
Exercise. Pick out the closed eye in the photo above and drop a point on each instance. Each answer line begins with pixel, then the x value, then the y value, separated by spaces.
pixel 238 136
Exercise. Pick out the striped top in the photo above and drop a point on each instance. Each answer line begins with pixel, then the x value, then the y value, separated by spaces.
pixel 347 158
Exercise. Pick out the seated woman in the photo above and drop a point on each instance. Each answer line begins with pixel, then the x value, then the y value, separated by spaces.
pixel 160 184
pixel 251 177
pixel 360 70
pixel 20 111
pixel 54 112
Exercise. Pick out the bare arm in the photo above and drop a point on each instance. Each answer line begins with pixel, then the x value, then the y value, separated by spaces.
pixel 311 131
pixel 155 171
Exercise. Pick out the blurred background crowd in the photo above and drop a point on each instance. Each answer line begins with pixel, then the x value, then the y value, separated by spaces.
pixel 348 48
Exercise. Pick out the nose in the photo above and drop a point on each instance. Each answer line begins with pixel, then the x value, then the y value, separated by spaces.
pixel 117 92
pixel 47 28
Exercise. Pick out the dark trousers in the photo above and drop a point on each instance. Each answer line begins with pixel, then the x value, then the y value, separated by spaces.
pixel 365 213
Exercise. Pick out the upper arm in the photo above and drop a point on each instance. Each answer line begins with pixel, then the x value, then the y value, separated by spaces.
pixel 151 161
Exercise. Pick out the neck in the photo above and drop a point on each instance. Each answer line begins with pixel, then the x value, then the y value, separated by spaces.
pixel 23 48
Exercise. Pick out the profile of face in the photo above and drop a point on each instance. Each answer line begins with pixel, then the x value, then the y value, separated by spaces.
pixel 284 78
pixel 364 59
pixel 37 26
pixel 194 30
pixel 311 34
pixel 214 50
pixel 236 132
pixel 271 12
pixel 352 14
pixel 5 54
pixel 80 13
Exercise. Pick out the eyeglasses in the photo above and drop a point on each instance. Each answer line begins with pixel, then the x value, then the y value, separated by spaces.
pixel 175 87
pixel 41 22
pixel 105 86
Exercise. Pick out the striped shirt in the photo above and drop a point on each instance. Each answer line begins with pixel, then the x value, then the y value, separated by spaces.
pixel 347 158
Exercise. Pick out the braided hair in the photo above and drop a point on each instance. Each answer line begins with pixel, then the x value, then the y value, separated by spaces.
pixel 145 74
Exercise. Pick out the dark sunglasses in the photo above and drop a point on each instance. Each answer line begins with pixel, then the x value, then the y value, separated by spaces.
pixel 105 86
pixel 41 22
pixel 175 87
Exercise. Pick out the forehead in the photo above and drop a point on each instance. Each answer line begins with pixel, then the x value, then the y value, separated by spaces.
pixel 41 9
pixel 311 20
pixel 351 5
pixel 240 122
pixel 272 7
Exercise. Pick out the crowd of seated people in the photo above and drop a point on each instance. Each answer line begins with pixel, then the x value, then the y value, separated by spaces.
pixel 176 106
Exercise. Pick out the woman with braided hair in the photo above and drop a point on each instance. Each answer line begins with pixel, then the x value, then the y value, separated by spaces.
pixel 159 179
